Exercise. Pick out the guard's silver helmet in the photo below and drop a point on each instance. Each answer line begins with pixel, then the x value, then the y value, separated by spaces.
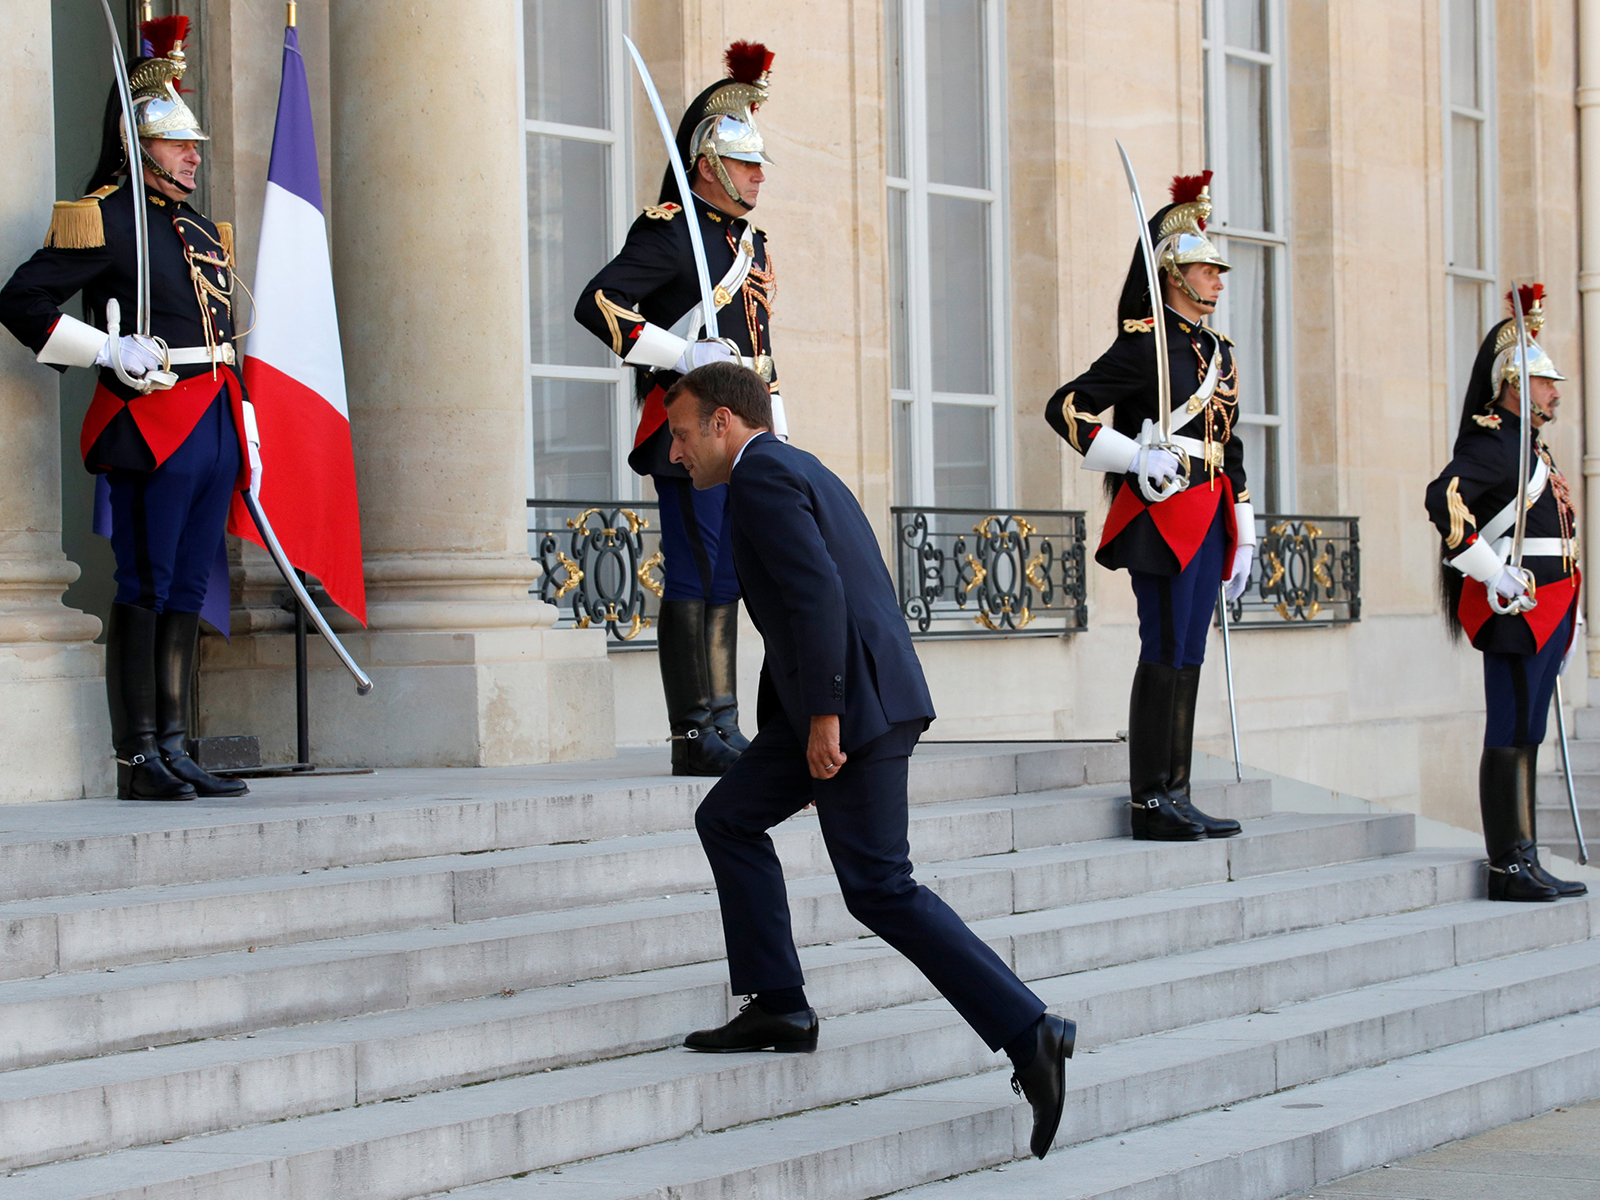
pixel 727 124
pixel 1507 362
pixel 1181 238
pixel 158 110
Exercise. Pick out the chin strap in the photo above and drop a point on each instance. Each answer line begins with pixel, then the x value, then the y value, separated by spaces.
pixel 160 172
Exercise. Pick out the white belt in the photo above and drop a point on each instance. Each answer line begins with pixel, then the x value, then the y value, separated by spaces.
pixel 1532 548
pixel 188 356
pixel 1502 521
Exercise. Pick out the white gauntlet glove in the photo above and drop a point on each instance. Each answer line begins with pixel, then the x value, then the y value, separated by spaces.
pixel 139 355
pixel 702 354
pixel 1244 558
pixel 1578 634
pixel 1508 585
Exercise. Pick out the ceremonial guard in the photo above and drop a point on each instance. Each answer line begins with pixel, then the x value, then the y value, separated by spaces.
pixel 646 305
pixel 1180 519
pixel 1522 615
pixel 167 420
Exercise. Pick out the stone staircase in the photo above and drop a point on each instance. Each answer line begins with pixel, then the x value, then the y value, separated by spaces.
pixel 392 986
pixel 1555 810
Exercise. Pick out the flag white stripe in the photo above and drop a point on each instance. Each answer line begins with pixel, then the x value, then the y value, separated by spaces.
pixel 297 325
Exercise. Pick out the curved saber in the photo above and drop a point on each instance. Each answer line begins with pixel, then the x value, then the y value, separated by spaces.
pixel 708 302
pixel 1160 435
pixel 130 142
pixel 363 684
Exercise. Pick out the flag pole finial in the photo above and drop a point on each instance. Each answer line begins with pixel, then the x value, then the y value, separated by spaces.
pixel 292 7
pixel 146 13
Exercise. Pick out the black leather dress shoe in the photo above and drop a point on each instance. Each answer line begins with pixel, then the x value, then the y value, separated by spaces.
pixel 756 1029
pixel 1043 1082
pixel 1215 827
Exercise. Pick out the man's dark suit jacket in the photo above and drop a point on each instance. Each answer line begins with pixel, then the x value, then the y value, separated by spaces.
pixel 818 591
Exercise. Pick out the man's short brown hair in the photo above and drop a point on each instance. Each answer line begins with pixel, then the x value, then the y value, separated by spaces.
pixel 726 385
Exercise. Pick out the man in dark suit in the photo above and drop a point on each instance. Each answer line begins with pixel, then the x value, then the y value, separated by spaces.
pixel 841 705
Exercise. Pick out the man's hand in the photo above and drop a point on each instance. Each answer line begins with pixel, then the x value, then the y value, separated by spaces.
pixel 701 354
pixel 139 358
pixel 822 753
pixel 1239 577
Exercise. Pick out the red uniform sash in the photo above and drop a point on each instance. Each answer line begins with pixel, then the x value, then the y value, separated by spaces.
pixel 165 419
pixel 652 416
pixel 1182 520
pixel 1555 600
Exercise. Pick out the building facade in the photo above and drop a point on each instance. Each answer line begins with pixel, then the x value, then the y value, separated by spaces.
pixel 950 226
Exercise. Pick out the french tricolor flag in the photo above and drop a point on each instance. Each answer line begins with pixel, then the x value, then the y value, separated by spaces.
pixel 294 371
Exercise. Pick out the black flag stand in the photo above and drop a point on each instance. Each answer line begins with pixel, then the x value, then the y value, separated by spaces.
pixel 302 689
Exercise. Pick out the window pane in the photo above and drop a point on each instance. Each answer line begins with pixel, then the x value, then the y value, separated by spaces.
pixel 1466 234
pixel 568 218
pixel 1251 324
pixel 957 108
pixel 1261 465
pixel 903 451
pixel 1463 51
pixel 1468 325
pixel 1246 24
pixel 894 88
pixel 571 430
pixel 963 453
pixel 958 294
pixel 899 341
pixel 1248 200
pixel 563 42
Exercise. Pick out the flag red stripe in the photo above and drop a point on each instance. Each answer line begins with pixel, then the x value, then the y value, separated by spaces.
pixel 308 484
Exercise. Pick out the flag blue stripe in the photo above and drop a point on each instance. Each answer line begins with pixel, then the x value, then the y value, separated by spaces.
pixel 294 142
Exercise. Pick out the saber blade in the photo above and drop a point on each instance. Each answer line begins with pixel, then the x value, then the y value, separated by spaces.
pixel 708 302
pixel 1525 434
pixel 1227 669
pixel 1566 770
pixel 1157 306
pixel 363 684
pixel 130 141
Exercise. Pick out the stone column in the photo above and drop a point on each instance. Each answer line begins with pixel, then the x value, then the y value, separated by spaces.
pixel 57 741
pixel 428 266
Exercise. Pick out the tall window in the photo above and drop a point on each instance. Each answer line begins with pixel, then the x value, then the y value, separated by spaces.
pixel 947 263
pixel 1470 209
pixel 578 209
pixel 1243 47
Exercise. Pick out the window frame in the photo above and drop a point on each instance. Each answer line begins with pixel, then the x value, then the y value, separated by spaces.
pixel 1457 374
pixel 1215 53
pixel 919 397
pixel 625 485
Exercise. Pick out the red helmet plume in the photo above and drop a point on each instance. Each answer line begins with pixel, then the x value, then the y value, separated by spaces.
pixel 163 33
pixel 1530 293
pixel 1188 187
pixel 747 62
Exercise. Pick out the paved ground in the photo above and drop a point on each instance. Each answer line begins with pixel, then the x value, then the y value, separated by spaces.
pixel 1553 1157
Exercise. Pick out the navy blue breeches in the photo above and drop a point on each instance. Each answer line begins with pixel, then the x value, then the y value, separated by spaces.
pixel 1517 690
pixel 168 523
pixel 862 811
pixel 1175 610
pixel 695 542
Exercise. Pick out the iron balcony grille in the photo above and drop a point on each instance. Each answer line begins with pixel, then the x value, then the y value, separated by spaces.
pixel 602 566
pixel 1307 572
pixel 974 572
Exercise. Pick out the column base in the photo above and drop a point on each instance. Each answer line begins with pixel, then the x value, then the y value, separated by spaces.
pixel 440 698
pixel 57 743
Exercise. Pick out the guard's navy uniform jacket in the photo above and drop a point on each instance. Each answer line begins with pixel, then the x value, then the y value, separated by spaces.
pixel 1161 539
pixel 653 279
pixel 1478 483
pixel 175 457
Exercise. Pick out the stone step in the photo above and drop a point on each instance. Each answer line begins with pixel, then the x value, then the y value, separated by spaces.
pixel 658 1101
pixel 85 1014
pixel 1553 790
pixel 95 1105
pixel 290 825
pixel 1281 1144
pixel 89 932
pixel 1585 724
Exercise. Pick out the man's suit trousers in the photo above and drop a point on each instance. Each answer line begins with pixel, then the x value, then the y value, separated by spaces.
pixel 864 821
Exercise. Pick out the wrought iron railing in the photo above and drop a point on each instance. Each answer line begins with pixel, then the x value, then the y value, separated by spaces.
pixel 965 572
pixel 1307 572
pixel 602 565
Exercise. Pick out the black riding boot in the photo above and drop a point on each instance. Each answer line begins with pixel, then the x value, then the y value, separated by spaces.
pixel 722 648
pixel 697 747
pixel 131 696
pixel 1505 826
pixel 1183 706
pixel 1155 818
pixel 176 633
pixel 1528 789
